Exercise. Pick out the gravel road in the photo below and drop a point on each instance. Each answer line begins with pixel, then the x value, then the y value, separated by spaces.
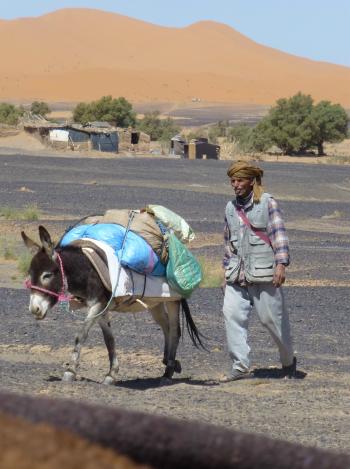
pixel 312 410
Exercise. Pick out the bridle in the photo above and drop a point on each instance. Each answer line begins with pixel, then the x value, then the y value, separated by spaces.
pixel 62 296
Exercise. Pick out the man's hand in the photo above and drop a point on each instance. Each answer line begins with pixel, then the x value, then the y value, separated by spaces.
pixel 279 275
pixel 223 286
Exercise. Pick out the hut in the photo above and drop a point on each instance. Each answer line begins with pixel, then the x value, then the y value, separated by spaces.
pixel 201 149
pixel 133 140
pixel 100 136
pixel 177 146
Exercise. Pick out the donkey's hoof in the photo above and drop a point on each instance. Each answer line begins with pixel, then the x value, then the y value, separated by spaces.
pixel 108 380
pixel 165 381
pixel 68 377
pixel 177 367
pixel 173 365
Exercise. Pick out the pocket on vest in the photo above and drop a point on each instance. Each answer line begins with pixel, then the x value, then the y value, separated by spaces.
pixel 255 240
pixel 261 272
pixel 232 270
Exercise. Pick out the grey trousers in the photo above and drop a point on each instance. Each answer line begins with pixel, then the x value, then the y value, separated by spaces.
pixel 269 304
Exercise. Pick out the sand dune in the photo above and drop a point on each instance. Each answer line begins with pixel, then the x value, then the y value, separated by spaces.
pixel 82 54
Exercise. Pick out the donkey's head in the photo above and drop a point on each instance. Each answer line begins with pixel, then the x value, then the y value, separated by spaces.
pixel 45 280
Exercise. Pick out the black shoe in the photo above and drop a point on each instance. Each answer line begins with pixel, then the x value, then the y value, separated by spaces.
pixel 290 371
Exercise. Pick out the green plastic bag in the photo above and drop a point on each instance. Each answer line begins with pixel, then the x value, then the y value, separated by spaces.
pixel 183 271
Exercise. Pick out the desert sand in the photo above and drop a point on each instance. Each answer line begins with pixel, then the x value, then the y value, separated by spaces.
pixel 80 54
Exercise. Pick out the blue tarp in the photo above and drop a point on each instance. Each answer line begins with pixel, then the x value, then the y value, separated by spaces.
pixel 137 253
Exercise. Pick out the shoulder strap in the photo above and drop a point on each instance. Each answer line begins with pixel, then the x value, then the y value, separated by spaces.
pixel 246 221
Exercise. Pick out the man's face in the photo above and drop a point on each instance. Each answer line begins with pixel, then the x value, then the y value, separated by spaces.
pixel 242 186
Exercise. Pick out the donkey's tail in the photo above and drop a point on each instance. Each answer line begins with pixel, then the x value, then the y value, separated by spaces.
pixel 195 335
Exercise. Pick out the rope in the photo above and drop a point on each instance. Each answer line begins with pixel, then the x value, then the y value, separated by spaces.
pixel 70 227
pixel 131 216
pixel 62 296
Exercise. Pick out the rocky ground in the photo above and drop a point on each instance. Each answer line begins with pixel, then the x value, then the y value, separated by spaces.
pixel 312 410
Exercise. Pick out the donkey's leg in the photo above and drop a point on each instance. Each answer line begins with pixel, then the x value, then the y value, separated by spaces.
pixel 71 372
pixel 162 319
pixel 173 309
pixel 110 344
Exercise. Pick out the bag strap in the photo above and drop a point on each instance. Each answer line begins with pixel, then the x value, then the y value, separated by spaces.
pixel 246 221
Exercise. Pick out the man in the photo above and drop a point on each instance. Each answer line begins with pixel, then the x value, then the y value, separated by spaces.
pixel 256 255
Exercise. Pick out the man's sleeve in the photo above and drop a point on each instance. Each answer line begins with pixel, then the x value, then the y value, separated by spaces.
pixel 277 234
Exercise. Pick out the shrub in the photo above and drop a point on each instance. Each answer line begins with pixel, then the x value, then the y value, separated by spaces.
pixel 157 128
pixel 118 112
pixel 28 213
pixel 10 114
pixel 39 107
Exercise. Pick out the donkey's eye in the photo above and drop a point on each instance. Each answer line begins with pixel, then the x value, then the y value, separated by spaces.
pixel 46 276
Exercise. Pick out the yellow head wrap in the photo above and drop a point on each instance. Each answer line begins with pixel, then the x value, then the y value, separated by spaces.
pixel 241 169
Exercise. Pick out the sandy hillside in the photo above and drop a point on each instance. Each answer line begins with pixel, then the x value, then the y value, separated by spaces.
pixel 82 54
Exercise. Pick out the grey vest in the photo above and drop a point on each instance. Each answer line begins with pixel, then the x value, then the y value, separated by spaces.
pixel 249 250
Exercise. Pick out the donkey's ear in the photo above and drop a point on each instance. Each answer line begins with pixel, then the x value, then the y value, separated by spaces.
pixel 45 239
pixel 31 245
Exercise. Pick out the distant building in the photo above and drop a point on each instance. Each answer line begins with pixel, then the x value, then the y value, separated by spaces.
pixel 99 136
pixel 201 149
pixel 177 146
pixel 133 140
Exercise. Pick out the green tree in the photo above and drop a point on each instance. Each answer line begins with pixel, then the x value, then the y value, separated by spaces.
pixel 168 129
pixel 151 124
pixel 157 128
pixel 289 126
pixel 10 114
pixel 82 113
pixel 117 111
pixel 330 122
pixel 39 107
pixel 296 125
pixel 261 137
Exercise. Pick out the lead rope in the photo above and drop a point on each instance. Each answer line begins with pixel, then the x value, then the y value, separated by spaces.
pixel 63 298
pixel 131 216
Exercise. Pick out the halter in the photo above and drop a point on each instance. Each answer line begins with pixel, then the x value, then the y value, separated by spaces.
pixel 62 296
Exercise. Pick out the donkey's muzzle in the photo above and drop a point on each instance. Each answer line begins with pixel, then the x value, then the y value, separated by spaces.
pixel 38 306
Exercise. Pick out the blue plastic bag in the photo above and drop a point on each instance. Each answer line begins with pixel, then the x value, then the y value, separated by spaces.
pixel 137 254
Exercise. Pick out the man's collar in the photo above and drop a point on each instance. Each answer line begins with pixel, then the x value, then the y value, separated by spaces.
pixel 245 202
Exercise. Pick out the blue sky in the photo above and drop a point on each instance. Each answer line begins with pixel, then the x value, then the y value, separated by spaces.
pixel 316 29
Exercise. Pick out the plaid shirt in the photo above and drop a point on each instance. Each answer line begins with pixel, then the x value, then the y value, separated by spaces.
pixel 275 230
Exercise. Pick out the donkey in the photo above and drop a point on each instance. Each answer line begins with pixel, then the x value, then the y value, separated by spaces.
pixel 66 274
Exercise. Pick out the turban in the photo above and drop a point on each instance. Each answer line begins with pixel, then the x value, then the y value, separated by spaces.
pixel 241 169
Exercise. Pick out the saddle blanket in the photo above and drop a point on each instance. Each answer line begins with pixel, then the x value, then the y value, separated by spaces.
pixel 126 282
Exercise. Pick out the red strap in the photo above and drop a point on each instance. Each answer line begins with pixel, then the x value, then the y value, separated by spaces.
pixel 259 233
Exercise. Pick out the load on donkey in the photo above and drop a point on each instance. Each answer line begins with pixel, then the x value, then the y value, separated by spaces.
pixel 123 261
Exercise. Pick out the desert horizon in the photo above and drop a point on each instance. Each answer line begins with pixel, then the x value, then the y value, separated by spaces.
pixel 74 55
